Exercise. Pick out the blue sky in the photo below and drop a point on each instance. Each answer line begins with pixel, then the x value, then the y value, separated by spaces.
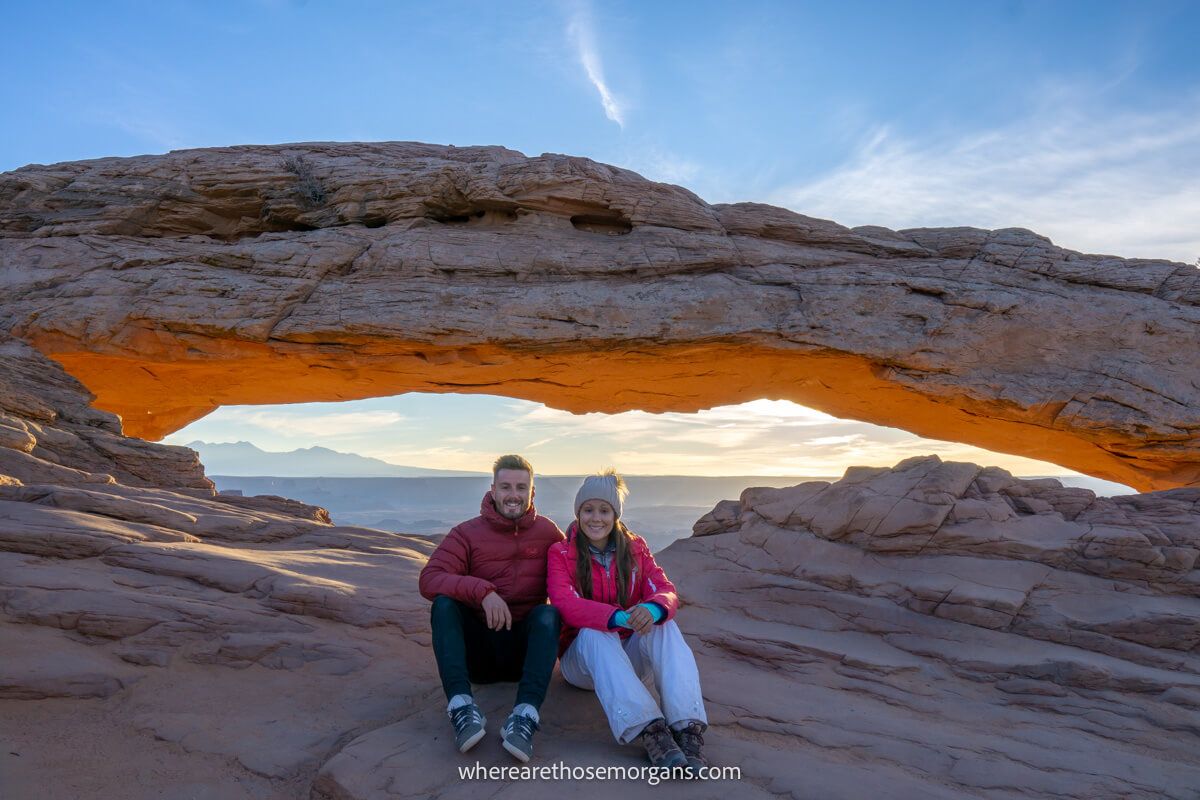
pixel 1080 120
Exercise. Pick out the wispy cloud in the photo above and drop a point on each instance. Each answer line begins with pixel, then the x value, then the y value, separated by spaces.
pixel 762 437
pixel 326 426
pixel 652 161
pixel 582 36
pixel 140 103
pixel 634 424
pixel 1092 180
pixel 827 441
pixel 145 125
pixel 433 456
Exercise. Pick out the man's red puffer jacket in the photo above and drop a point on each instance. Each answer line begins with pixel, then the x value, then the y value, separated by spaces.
pixel 648 584
pixel 493 553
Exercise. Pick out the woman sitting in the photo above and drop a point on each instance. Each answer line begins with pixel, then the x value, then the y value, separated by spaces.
pixel 617 607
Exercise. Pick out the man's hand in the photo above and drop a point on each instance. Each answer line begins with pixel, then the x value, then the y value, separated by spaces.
pixel 497 613
pixel 640 619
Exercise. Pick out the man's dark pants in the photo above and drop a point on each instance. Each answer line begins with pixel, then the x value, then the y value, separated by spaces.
pixel 468 651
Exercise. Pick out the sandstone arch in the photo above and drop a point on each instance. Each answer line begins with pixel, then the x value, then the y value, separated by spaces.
pixel 170 285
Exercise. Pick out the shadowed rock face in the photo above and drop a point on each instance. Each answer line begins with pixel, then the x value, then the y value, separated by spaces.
pixel 170 285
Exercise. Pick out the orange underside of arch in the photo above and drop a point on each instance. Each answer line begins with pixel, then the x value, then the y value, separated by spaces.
pixel 187 379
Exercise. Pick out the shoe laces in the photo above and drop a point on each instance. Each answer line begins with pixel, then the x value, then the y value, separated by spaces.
pixel 656 738
pixel 465 715
pixel 521 724
pixel 691 739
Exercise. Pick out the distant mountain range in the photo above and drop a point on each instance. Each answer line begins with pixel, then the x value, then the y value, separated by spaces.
pixel 243 458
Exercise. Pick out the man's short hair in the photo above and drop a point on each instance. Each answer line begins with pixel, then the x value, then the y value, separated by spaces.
pixel 511 461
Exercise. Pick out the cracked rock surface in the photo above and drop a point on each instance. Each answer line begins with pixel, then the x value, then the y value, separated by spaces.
pixel 949 630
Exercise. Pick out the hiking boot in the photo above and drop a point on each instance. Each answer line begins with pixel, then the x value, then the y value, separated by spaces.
pixel 468 726
pixel 691 742
pixel 660 745
pixel 517 734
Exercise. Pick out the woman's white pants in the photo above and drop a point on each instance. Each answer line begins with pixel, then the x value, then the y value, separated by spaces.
pixel 598 660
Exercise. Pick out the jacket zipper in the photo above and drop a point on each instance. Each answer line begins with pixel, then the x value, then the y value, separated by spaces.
pixel 607 575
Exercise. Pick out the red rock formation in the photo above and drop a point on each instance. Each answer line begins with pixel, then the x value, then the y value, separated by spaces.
pixel 51 434
pixel 170 285
pixel 935 630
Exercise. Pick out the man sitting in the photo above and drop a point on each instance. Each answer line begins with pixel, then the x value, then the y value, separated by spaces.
pixel 491 622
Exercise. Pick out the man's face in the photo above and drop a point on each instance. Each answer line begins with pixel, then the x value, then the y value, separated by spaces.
pixel 512 492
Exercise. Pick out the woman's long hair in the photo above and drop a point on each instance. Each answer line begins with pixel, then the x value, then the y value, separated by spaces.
pixel 623 560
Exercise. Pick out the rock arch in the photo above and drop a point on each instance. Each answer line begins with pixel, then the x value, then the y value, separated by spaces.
pixel 170 285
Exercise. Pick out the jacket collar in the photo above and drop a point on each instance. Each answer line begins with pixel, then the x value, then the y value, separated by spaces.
pixel 611 547
pixel 487 510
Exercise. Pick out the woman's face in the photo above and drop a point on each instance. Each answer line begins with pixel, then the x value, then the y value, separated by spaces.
pixel 596 521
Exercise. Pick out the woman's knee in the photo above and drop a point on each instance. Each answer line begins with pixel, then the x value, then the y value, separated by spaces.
pixel 668 636
pixel 667 630
pixel 592 639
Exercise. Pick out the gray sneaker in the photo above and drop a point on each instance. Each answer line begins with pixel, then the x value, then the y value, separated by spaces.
pixel 518 736
pixel 468 726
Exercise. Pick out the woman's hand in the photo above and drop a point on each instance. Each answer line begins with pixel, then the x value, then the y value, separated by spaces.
pixel 640 619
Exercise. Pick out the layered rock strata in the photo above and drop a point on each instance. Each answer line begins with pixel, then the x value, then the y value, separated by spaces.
pixel 1013 638
pixel 171 285
pixel 51 434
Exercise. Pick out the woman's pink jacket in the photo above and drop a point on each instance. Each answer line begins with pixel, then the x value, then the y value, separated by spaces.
pixel 648 584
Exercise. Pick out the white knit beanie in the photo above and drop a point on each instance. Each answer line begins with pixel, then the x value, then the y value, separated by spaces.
pixel 607 486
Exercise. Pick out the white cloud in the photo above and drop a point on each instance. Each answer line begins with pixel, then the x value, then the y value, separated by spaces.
pixel 146 125
pixel 773 414
pixel 778 411
pixel 580 33
pixel 325 426
pixel 658 164
pixel 762 437
pixel 545 420
pixel 1092 180
pixel 432 456
pixel 827 441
